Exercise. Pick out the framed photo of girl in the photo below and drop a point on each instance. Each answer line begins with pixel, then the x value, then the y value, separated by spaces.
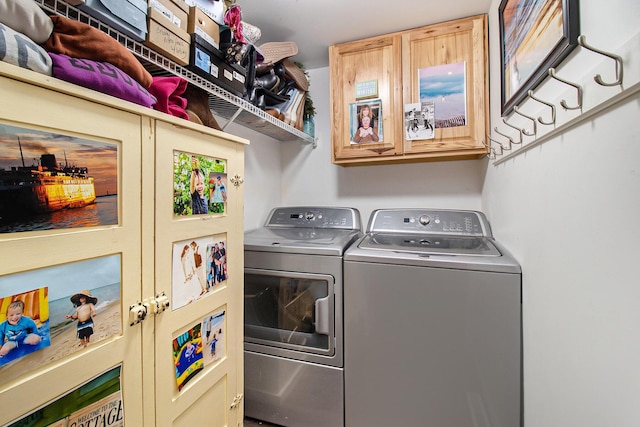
pixel 535 35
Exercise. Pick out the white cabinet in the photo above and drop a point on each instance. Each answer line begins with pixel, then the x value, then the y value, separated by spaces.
pixel 135 241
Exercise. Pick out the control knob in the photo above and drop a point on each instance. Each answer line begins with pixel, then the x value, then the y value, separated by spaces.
pixel 424 219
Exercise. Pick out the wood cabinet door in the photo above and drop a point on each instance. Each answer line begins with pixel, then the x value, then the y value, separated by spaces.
pixel 48 256
pixel 197 342
pixel 375 61
pixel 457 134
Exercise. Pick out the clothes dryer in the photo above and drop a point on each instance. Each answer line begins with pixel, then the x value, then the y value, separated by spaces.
pixel 293 345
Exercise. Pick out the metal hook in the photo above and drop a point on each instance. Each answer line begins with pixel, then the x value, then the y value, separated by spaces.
pixel 535 127
pixel 582 41
pixel 552 73
pixel 520 131
pixel 492 153
pixel 491 148
pixel 506 136
pixel 553 109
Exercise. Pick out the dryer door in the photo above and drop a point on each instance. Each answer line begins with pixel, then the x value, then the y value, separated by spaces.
pixel 290 310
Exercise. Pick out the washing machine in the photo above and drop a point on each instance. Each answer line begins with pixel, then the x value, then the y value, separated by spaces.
pixel 293 327
pixel 432 314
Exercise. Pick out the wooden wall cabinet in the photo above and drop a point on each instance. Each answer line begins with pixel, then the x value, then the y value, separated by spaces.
pixel 393 62
pixel 143 239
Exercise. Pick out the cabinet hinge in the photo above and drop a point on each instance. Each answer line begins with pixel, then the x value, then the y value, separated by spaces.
pixel 236 401
pixel 155 305
pixel 237 180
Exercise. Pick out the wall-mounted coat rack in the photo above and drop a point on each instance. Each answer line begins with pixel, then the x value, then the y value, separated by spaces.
pixel 537 119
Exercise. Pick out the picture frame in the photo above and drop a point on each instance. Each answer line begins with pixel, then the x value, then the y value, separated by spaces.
pixel 535 35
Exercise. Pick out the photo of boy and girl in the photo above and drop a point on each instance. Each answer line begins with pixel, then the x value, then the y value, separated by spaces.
pixel 200 184
pixel 365 122
pixel 198 266
pixel 41 325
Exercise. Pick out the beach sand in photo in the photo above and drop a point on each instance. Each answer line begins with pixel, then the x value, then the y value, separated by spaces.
pixel 107 323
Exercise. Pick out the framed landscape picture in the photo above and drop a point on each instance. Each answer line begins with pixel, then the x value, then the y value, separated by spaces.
pixel 535 35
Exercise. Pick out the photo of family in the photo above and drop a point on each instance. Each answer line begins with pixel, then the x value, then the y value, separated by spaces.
pixel 51 313
pixel 366 123
pixel 199 184
pixel 199 265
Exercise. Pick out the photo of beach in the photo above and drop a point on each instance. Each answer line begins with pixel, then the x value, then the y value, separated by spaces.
pixel 445 87
pixel 531 28
pixel 99 278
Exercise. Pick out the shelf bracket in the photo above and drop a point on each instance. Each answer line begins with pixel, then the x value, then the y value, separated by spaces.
pixel 232 118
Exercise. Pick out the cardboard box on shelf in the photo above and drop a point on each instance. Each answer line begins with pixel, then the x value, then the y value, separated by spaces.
pixel 204 26
pixel 172 12
pixel 127 16
pixel 167 39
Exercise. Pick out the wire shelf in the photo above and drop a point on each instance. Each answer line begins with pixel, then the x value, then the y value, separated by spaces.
pixel 222 103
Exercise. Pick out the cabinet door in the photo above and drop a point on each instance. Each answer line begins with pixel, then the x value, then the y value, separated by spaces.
pixel 458 133
pixel 374 62
pixel 198 368
pixel 58 242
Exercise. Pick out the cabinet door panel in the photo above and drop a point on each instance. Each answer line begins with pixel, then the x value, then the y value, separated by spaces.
pixel 58 255
pixel 198 339
pixel 378 60
pixel 461 41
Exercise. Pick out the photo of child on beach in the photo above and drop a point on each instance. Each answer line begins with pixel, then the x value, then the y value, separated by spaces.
pixel 79 305
pixel 213 346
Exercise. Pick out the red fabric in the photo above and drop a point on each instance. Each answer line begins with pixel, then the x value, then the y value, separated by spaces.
pixel 167 91
pixel 80 40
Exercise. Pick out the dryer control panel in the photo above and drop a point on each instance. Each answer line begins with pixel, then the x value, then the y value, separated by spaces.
pixel 427 221
pixel 316 217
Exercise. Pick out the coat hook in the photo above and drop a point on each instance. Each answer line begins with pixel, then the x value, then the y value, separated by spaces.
pixel 492 153
pixel 553 109
pixel 511 141
pixel 535 127
pixel 497 142
pixel 552 73
pixel 582 41
pixel 520 131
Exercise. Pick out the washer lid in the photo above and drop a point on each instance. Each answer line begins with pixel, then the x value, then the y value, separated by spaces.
pixel 314 241
pixel 429 244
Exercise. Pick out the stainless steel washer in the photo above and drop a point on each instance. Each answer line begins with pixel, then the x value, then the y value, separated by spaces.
pixel 432 323
pixel 293 345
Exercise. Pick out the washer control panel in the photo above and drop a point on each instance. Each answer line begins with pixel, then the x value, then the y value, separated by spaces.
pixel 320 217
pixel 468 223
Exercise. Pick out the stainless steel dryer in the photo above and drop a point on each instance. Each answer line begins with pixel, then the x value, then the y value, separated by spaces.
pixel 432 323
pixel 293 345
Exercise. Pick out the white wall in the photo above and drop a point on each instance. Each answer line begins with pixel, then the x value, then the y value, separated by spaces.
pixel 567 209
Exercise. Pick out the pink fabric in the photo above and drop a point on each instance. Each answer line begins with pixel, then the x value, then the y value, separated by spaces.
pixel 167 91
pixel 233 19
